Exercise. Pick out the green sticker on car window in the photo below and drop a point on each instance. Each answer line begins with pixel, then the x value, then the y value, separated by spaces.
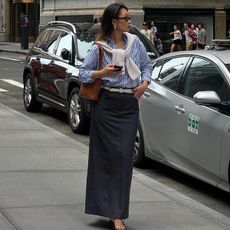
pixel 193 123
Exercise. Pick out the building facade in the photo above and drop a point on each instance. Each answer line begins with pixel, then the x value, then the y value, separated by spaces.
pixel 14 14
pixel 215 15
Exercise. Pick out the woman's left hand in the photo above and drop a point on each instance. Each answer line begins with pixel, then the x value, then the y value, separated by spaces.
pixel 139 90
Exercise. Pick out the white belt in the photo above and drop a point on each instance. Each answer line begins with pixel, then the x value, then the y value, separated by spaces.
pixel 117 90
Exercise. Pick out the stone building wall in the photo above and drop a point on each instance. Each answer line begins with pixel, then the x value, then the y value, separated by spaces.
pixel 4 20
pixel 52 8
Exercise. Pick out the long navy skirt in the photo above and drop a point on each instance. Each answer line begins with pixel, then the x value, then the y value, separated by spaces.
pixel 112 137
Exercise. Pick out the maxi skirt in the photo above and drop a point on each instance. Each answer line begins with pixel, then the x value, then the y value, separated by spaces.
pixel 113 130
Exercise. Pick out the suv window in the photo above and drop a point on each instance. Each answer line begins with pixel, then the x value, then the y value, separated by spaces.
pixel 41 44
pixel 169 71
pixel 47 41
pixel 65 42
pixel 202 76
pixel 86 33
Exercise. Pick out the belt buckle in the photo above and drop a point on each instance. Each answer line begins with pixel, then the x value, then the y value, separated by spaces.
pixel 121 90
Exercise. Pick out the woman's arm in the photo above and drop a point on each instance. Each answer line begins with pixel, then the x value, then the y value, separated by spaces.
pixel 89 65
pixel 89 69
pixel 146 71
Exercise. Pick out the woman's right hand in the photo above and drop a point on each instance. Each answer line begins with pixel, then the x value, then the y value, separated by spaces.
pixel 108 70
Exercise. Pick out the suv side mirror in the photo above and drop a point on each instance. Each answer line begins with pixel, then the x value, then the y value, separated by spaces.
pixel 65 54
pixel 207 97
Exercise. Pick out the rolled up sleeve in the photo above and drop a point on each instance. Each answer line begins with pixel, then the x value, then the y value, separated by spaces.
pixel 89 65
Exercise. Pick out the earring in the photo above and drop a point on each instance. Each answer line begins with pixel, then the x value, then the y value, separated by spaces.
pixel 115 26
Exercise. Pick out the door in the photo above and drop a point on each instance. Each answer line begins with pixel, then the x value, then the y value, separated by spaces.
pixel 58 67
pixel 47 43
pixel 198 129
pixel 157 108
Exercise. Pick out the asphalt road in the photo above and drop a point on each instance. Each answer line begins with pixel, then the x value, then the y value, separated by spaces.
pixel 11 95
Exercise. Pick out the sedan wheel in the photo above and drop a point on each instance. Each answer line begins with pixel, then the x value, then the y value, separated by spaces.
pixel 139 159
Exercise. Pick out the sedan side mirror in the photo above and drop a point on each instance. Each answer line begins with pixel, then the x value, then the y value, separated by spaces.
pixel 207 97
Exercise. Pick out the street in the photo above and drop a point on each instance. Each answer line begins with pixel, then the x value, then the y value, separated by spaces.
pixel 11 96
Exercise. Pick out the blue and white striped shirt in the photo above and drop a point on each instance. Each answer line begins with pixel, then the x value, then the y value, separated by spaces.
pixel 138 54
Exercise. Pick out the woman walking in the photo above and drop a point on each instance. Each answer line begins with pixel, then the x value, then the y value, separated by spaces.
pixel 115 115
pixel 177 39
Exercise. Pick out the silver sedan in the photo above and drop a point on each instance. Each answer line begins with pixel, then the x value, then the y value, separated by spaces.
pixel 185 115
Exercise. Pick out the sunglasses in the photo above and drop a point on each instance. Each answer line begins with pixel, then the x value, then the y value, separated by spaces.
pixel 127 18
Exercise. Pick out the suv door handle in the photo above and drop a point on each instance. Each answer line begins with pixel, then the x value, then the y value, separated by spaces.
pixel 180 109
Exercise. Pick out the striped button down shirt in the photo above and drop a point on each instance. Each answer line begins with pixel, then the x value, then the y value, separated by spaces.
pixel 138 55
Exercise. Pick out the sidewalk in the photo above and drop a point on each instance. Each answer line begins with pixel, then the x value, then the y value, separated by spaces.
pixel 14 47
pixel 42 186
pixel 43 176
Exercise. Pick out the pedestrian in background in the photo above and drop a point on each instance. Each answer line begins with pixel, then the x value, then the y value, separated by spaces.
pixel 115 116
pixel 190 36
pixel 177 39
pixel 154 31
pixel 147 32
pixel 194 39
pixel 201 37
pixel 228 35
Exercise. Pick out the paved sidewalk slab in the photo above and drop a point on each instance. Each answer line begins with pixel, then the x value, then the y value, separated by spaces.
pixel 42 186
pixel 14 47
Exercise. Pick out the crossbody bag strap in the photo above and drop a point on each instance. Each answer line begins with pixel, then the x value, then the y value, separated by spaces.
pixel 101 54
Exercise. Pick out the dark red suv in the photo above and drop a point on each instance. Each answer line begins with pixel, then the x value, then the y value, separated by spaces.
pixel 51 70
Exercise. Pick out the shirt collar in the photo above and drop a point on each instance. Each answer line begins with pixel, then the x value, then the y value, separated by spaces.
pixel 111 43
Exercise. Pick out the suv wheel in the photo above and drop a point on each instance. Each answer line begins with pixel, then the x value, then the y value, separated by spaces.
pixel 139 158
pixel 78 120
pixel 30 102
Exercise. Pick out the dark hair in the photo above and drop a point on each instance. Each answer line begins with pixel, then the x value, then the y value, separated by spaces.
pixel 111 12
pixel 176 26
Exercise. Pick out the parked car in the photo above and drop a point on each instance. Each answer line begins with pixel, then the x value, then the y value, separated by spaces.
pixel 185 115
pixel 51 70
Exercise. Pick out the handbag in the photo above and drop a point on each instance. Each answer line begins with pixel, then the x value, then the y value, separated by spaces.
pixel 91 91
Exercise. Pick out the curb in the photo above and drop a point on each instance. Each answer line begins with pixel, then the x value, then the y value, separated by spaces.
pixel 15 51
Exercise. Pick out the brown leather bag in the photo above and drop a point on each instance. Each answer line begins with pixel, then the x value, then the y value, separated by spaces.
pixel 91 91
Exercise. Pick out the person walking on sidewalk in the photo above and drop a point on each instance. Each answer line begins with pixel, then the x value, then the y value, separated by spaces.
pixel 177 39
pixel 148 33
pixel 190 36
pixel 115 115
pixel 201 37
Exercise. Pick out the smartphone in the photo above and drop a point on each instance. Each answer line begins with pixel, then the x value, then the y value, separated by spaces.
pixel 118 68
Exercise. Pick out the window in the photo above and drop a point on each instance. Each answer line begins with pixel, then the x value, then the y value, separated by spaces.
pixel 64 43
pixel 51 42
pixel 156 70
pixel 41 42
pixel 171 71
pixel 47 41
pixel 202 76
